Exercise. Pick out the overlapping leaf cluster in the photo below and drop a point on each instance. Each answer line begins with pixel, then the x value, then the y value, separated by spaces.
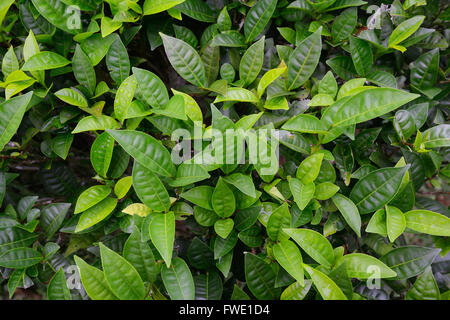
pixel 93 204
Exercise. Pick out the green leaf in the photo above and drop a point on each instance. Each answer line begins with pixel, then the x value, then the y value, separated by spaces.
pixel 94 281
pixel 91 197
pixel 140 255
pixel 9 62
pixel 303 61
pixel 269 77
pixel 260 278
pixel 404 30
pixel 437 136
pixel 156 6
pixel 15 279
pixel 61 15
pixel 369 104
pixel 11 114
pixel 428 222
pixel 349 211
pixel 208 286
pixel 251 62
pixel 96 47
pixel 211 57
pixel 295 291
pixel 122 186
pixel 328 85
pixel 279 219
pixel 363 266
pixel 222 200
pixel 96 213
pixel 149 188
pixel 257 18
pixel 188 174
pixel 395 222
pixel 314 244
pixel 146 150
pixel 409 261
pixel 309 169
pixel 242 182
pixel 57 287
pixel 178 280
pixel 305 123
pixel 150 88
pixel 223 227
pixel 101 153
pixel 52 217
pixel 377 223
pixel 45 60
pixel 224 246
pixel 246 218
pixel 424 70
pixel 118 62
pixel 72 97
pixel 92 123
pixel 327 288
pixel 185 60
pixel 61 144
pixel 302 193
pixel 124 97
pixel 361 55
pixel 424 288
pixel 289 257
pixel 201 196
pixel 19 258
pixel 325 190
pixel 162 234
pixel 197 9
pixel 83 70
pixel 344 24
pixel 238 94
pixel 377 188
pixel 122 277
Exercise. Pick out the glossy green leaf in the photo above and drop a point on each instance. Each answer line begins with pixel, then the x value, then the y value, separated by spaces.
pixel 428 222
pixel 223 200
pixel 349 211
pixel 20 257
pixel 363 266
pixel 260 278
pixel 57 288
pixel 377 188
pixel 122 277
pixel 83 70
pixel 178 280
pixel 162 234
pixel 94 281
pixel 405 30
pixel 314 244
pixel 257 18
pixel 11 114
pixel 251 62
pixel 146 150
pixel 101 153
pixel 185 60
pixel 289 257
pixel 409 261
pixel 327 288
pixel 303 61
pixel 96 213
pixel 140 255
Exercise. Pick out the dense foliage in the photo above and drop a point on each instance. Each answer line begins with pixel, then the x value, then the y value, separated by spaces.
pixel 119 118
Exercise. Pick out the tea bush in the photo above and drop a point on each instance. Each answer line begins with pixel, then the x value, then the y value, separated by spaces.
pixel 190 149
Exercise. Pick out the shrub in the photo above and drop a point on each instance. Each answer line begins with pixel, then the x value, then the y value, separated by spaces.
pixel 224 149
